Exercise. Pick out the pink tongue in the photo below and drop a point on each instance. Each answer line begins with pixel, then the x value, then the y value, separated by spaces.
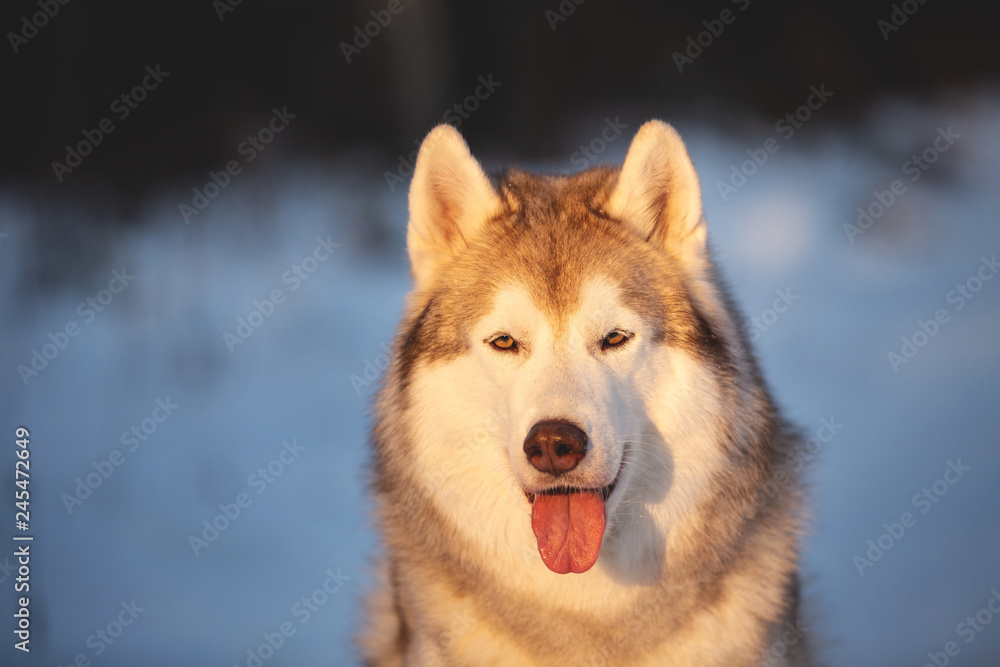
pixel 569 528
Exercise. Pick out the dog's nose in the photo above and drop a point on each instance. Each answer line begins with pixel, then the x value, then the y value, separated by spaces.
pixel 555 446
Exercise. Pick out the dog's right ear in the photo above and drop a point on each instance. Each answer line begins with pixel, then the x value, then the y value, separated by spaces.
pixel 450 199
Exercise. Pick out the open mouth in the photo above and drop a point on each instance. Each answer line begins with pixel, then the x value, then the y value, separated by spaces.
pixel 604 491
pixel 569 524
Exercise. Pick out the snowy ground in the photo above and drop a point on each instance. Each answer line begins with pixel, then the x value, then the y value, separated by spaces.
pixel 162 338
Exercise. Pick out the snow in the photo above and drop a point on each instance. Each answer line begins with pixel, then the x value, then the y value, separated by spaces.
pixel 161 338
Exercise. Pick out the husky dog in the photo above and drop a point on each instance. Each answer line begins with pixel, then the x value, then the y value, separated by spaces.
pixel 576 460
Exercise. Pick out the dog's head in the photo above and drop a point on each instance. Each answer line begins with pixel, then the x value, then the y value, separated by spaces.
pixel 567 359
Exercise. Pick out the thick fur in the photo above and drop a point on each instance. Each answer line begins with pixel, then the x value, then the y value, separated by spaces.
pixel 698 565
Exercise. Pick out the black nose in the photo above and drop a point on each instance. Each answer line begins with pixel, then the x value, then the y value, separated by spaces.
pixel 555 446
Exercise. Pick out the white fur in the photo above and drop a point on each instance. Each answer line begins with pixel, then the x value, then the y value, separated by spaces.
pixel 649 410
pixel 473 414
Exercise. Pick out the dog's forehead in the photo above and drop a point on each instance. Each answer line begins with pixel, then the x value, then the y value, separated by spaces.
pixel 598 299
pixel 553 242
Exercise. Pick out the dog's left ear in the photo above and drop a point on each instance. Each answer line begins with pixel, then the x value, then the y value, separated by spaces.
pixel 450 199
pixel 658 194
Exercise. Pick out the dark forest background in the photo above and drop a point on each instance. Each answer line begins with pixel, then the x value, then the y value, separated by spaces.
pixel 224 71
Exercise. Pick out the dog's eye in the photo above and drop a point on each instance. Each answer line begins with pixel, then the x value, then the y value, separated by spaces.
pixel 614 339
pixel 504 343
